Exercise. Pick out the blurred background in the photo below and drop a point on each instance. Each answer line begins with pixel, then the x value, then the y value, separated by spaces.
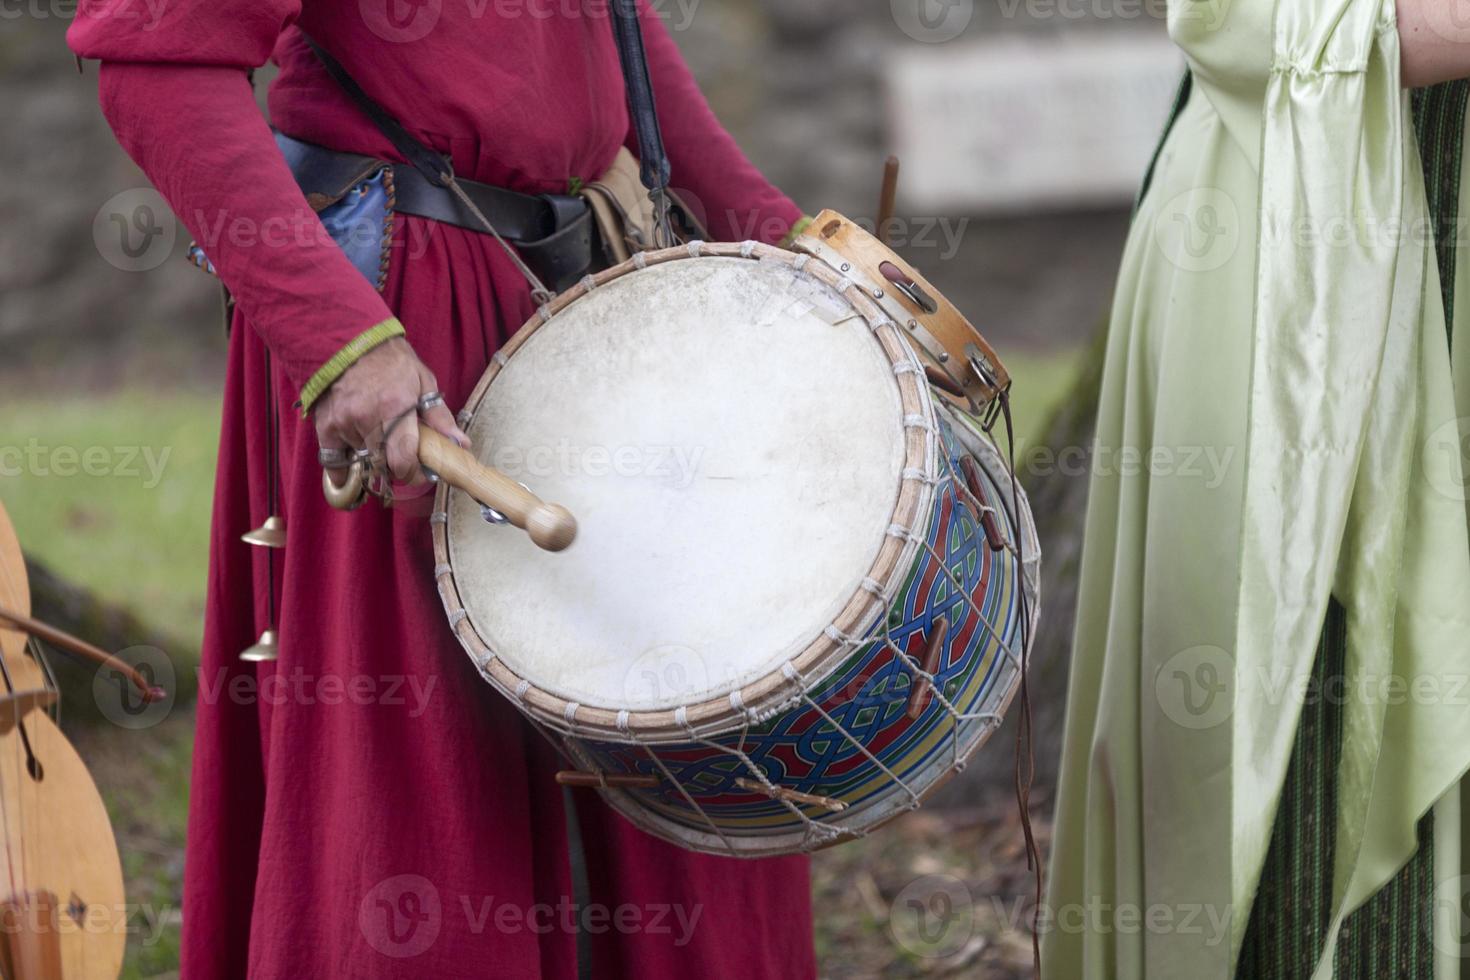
pixel 1024 128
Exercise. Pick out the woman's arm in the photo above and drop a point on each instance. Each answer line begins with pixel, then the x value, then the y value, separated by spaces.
pixel 737 200
pixel 196 132
pixel 178 97
pixel 1434 41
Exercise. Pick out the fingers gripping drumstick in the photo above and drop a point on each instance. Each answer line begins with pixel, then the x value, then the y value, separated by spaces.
pixel 551 526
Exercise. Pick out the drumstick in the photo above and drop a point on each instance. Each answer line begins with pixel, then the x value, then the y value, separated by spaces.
pixel 888 200
pixel 551 526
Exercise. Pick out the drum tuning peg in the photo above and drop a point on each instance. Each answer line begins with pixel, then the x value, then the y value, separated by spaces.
pixel 264 650
pixel 271 534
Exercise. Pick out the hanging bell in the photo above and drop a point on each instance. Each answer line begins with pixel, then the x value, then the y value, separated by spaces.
pixel 264 649
pixel 271 534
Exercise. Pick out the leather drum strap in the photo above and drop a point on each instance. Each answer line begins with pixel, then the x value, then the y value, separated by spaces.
pixel 654 167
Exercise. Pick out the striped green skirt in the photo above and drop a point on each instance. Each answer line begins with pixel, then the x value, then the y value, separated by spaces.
pixel 1392 936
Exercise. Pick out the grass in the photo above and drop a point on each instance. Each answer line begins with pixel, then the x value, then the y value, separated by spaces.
pixel 141 539
pixel 114 493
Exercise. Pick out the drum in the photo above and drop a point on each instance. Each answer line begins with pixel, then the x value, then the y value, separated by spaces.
pixel 804 578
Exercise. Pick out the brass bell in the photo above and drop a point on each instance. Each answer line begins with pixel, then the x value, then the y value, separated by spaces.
pixel 263 651
pixel 271 534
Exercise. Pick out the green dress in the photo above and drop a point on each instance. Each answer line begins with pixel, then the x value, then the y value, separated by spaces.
pixel 1269 705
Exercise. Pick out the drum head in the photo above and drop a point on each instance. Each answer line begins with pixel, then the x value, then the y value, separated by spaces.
pixel 730 436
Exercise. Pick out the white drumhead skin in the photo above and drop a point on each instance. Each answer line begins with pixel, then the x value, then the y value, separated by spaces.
pixel 733 459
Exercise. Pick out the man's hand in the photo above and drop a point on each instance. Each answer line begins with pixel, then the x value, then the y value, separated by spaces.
pixel 385 383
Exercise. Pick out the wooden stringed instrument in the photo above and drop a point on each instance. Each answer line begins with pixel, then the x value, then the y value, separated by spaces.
pixel 62 906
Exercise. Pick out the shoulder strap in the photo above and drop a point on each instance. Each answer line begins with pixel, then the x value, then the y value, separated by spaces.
pixel 435 168
pixel 654 167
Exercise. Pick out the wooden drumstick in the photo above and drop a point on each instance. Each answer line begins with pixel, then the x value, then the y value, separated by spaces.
pixel 888 200
pixel 551 526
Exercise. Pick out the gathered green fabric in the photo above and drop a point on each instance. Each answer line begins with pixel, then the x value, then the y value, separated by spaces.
pixel 1279 321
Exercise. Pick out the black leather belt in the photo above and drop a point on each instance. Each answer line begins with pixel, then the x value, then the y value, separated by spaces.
pixel 552 232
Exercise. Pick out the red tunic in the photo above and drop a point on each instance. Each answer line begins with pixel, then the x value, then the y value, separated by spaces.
pixel 368 806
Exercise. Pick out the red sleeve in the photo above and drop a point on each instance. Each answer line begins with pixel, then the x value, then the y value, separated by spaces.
pixel 738 203
pixel 184 111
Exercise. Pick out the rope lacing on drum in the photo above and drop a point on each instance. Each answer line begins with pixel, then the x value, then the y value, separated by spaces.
pixel 693 803
pixel 747 249
pixel 499 359
pixel 852 739
pixel 464 418
pixel 442 570
pixel 695 248
pixel 922 422
pixel 814 835
pixel 522 688
pixel 640 260
pixel 901 368
pixel 588 283
pixel 439 517
pixel 569 713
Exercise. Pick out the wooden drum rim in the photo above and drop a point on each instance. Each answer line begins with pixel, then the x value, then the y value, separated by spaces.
pixel 823 654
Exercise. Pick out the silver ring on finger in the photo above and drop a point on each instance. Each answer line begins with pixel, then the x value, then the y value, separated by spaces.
pixel 334 459
pixel 429 401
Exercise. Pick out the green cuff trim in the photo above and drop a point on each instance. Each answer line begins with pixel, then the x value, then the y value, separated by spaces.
pixel 797 230
pixel 329 372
